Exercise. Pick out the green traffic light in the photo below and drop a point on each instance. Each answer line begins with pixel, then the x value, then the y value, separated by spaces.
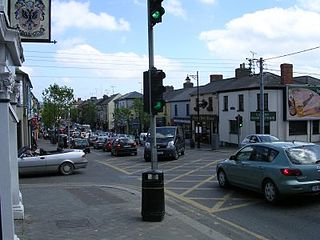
pixel 156 15
pixel 158 105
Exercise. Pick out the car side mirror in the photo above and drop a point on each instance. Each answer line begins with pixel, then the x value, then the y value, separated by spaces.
pixel 233 157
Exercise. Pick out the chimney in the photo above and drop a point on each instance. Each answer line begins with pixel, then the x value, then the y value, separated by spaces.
pixel 188 83
pixel 169 88
pixel 286 73
pixel 242 71
pixel 215 77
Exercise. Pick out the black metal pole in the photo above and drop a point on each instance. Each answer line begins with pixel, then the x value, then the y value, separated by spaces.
pixel 0 221
pixel 198 111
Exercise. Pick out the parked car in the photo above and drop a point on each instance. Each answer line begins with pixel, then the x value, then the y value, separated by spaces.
pixel 123 146
pixel 108 144
pixel 275 169
pixel 256 138
pixel 99 143
pixel 81 143
pixel 62 161
pixel 170 143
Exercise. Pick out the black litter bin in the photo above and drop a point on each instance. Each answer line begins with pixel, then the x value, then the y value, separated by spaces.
pixel 153 206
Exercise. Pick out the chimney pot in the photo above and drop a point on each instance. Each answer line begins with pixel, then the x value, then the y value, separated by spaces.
pixel 286 73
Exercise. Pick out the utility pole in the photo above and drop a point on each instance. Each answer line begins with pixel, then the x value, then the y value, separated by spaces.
pixel 261 97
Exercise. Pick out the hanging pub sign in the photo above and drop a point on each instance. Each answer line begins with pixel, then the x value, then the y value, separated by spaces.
pixel 32 18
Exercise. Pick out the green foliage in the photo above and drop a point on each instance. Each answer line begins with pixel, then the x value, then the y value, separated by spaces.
pixel 56 103
pixel 88 113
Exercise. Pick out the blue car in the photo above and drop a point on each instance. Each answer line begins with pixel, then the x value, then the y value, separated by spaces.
pixel 275 169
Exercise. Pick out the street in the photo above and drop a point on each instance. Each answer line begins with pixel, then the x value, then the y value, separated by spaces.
pixel 192 189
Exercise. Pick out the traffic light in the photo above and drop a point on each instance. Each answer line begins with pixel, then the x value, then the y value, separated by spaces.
pixel 239 120
pixel 155 11
pixel 157 89
pixel 146 94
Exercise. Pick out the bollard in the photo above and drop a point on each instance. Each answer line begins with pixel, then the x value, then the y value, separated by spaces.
pixel 153 206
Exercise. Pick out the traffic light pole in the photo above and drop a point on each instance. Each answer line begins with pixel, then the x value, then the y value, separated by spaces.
pixel 154 159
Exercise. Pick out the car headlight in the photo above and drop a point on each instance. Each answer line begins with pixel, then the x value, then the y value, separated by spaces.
pixel 171 144
pixel 147 145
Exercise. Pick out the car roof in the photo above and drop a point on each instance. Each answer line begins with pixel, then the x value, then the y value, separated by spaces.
pixel 282 144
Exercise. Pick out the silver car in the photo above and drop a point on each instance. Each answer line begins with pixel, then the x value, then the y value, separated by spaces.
pixel 258 138
pixel 63 161
pixel 275 169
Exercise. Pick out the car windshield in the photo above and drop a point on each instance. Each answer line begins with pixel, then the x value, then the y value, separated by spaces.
pixel 304 155
pixel 269 139
pixel 165 132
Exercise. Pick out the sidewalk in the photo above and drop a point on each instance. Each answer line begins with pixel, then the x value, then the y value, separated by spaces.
pixel 71 211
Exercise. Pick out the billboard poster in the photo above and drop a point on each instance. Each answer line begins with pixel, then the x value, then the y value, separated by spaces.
pixel 303 102
pixel 32 18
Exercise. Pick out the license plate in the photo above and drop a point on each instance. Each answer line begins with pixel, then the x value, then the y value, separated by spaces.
pixel 160 153
pixel 316 188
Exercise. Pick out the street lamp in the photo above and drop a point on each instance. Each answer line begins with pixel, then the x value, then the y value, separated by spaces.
pixel 198 129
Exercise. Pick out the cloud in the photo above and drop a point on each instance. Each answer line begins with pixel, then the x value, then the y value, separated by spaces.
pixel 311 5
pixel 81 17
pixel 288 30
pixel 208 1
pixel 175 8
pixel 106 70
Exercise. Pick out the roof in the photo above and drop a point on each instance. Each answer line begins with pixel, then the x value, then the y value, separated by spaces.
pixel 252 82
pixel 179 95
pixel 130 95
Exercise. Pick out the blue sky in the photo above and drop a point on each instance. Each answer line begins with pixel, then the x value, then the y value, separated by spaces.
pixel 103 46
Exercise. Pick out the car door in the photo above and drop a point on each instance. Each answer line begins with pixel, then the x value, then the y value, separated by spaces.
pixel 255 169
pixel 32 164
pixel 237 172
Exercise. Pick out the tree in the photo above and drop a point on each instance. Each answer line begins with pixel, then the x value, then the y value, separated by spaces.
pixel 140 114
pixel 57 101
pixel 88 114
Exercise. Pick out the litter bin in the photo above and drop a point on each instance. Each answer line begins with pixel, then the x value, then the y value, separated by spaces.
pixel 215 141
pixel 153 207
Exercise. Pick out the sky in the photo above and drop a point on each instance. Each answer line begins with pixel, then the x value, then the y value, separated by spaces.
pixel 102 45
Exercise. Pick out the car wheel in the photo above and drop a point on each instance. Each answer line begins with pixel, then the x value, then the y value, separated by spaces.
pixel 222 179
pixel 270 191
pixel 66 168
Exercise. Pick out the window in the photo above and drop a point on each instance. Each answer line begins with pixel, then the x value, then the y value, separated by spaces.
pixel 315 127
pixel 240 103
pixel 187 109
pixel 266 127
pixel 176 110
pixel 265 102
pixel 225 103
pixel 298 128
pixel 233 127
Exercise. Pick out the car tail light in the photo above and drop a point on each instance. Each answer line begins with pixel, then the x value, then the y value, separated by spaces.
pixel 291 172
pixel 118 146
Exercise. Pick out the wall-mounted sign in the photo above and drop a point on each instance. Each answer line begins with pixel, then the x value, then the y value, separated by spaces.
pixel 303 102
pixel 268 116
pixel 32 18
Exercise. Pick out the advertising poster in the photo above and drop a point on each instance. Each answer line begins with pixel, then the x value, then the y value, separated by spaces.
pixel 32 18
pixel 303 102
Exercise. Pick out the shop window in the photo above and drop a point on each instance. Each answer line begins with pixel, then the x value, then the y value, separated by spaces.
pixel 315 127
pixel 298 128
pixel 266 127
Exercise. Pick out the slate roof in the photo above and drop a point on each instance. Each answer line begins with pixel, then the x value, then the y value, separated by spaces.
pixel 130 95
pixel 178 95
pixel 251 82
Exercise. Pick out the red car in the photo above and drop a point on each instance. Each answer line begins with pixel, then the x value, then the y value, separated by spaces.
pixel 108 144
pixel 123 146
